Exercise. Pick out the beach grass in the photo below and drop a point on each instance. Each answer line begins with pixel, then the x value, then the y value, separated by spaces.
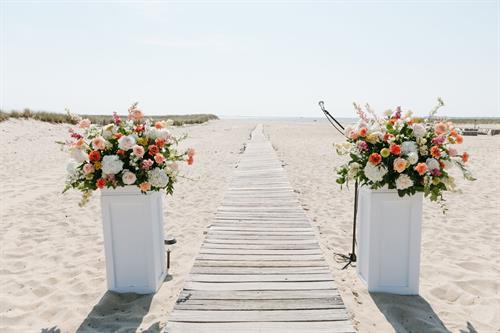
pixel 58 118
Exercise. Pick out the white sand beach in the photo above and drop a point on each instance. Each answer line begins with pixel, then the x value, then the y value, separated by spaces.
pixel 52 271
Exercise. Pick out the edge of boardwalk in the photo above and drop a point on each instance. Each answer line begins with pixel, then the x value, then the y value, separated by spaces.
pixel 260 267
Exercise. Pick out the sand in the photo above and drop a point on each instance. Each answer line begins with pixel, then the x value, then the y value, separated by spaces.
pixel 52 272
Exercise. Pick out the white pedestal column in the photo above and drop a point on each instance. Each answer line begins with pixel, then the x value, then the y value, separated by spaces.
pixel 389 232
pixel 133 239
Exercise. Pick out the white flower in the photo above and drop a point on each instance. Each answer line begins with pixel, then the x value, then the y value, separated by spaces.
pixel 128 177
pixel 419 130
pixel 111 164
pixel 408 147
pixel 172 168
pixel 413 158
pixel 347 130
pixel 353 170
pixel 72 170
pixel 169 122
pixel 158 178
pixel 432 163
pixel 374 173
pixel 126 142
pixel 163 133
pixel 403 182
pixel 79 155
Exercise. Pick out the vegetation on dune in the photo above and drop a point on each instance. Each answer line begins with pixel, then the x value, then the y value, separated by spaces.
pixel 57 118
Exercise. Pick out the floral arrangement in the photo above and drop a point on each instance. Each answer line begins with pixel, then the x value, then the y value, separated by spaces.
pixel 132 152
pixel 403 153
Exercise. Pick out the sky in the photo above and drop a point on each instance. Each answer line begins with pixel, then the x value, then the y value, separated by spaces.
pixel 250 58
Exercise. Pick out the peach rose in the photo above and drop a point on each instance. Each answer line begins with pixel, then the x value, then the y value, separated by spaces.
pixel 440 128
pixel 435 152
pixel 145 186
pixel 421 168
pixel 400 164
pixel 135 114
pixel 460 139
pixel 84 123
pixel 159 158
pixel 99 143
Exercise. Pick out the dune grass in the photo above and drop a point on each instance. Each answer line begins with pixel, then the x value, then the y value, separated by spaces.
pixel 58 118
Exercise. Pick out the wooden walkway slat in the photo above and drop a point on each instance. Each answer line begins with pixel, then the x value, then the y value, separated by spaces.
pixel 260 268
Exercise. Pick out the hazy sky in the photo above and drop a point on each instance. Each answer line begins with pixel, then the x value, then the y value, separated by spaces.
pixel 250 58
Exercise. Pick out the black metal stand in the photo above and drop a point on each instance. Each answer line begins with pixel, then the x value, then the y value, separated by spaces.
pixel 339 257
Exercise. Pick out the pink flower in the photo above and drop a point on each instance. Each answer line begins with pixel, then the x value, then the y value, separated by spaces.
pixel 159 158
pixel 116 118
pixel 88 168
pixel 439 140
pixel 147 164
pixel 84 123
pixel 99 143
pixel 362 145
pixel 138 151
pixel 436 172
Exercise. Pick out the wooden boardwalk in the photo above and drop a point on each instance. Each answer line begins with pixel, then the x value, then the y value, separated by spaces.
pixel 260 268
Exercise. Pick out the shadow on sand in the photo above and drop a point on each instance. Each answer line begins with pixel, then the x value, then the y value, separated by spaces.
pixel 405 313
pixel 119 312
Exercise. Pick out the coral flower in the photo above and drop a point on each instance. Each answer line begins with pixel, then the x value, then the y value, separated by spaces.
pixel 159 124
pixel 190 152
pixel 453 133
pixel 153 150
pixel 160 142
pixel 135 114
pixel 435 152
pixel 388 136
pixel 362 132
pixel 100 183
pixel 190 160
pixel 460 139
pixel 120 151
pixel 465 157
pixel 440 128
pixel 159 158
pixel 94 156
pixel 117 135
pixel 145 186
pixel 395 149
pixel 421 168
pixel 375 158
pixel 84 123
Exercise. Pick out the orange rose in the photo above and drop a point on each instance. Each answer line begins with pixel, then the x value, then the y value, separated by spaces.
pixel 435 152
pixel 421 168
pixel 465 157
pixel 160 142
pixel 100 183
pixel 153 150
pixel 395 149
pixel 362 132
pixel 145 186
pixel 375 159
pixel 460 139
pixel 94 156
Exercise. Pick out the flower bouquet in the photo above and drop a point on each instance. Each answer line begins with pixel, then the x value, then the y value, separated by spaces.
pixel 403 153
pixel 130 161
pixel 395 159
pixel 132 152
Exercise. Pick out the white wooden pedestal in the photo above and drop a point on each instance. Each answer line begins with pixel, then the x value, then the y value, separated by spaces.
pixel 133 239
pixel 389 232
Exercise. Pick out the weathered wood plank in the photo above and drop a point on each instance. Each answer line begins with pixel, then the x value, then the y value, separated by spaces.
pixel 206 250
pixel 262 327
pixel 258 294
pixel 260 270
pixel 258 277
pixel 310 285
pixel 259 257
pixel 259 316
pixel 267 305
